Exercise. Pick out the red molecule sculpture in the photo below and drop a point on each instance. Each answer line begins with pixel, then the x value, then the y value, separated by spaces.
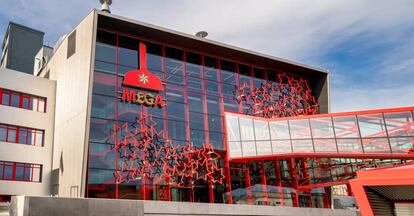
pixel 288 96
pixel 144 152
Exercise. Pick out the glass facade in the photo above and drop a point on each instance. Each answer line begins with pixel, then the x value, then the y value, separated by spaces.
pixel 198 90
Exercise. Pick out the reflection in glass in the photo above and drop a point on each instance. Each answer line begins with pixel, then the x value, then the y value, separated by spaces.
pixel 279 130
pixel 263 148
pixel 299 129
pixel 281 146
pixel 349 145
pixel 235 149
pixel 246 129
pixel 302 146
pixel 233 130
pixel 376 145
pixel 249 148
pixel 401 145
pixel 372 125
pixel 261 129
pixel 325 145
pixel 346 127
pixel 322 128
pixel 399 124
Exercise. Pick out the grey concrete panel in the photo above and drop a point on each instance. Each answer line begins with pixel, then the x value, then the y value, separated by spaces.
pixel 36 206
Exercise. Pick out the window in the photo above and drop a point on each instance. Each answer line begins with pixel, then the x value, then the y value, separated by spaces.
pixel 20 171
pixel 71 44
pixel 22 100
pixel 21 135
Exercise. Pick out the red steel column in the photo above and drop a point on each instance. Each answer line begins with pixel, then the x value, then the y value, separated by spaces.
pixel 279 182
pixel 264 184
pixel 248 186
pixel 293 176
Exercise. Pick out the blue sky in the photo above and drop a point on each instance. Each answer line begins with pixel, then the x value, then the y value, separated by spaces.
pixel 367 45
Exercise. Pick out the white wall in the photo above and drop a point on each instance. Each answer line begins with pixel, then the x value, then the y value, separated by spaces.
pixel 73 92
pixel 25 83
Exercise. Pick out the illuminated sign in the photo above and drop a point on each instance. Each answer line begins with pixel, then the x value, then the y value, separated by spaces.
pixel 142 98
pixel 142 79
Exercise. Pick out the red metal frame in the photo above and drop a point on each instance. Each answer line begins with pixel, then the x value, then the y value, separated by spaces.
pixel 32 167
pixel 17 129
pixel 21 96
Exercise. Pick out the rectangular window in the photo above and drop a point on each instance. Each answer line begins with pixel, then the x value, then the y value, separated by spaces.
pixel 15 171
pixel 23 100
pixel 21 135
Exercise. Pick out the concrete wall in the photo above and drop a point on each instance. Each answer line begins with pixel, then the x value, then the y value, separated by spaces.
pixel 21 82
pixel 34 206
pixel 72 107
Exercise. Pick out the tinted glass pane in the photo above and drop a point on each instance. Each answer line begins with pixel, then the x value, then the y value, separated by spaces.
pixel 197 137
pixel 197 121
pixel 103 107
pixel 228 90
pixel 175 93
pixel 177 80
pixel 376 145
pixel 15 100
pixel 23 135
pixel 302 146
pixel 25 102
pixel 279 130
pixel 372 125
pixel 128 111
pixel 322 128
pixel 231 105
pixel 325 145
pixel 246 129
pixel 210 68
pixel 399 124
pixel 105 52
pixel 195 84
pixel 195 102
pixel 100 130
pixel 216 139
pixel 101 156
pixel 105 67
pixel 173 61
pixel 261 129
pixel 212 87
pixel 401 145
pixel 349 145
pixel 5 98
pixel 299 129
pixel 104 84
pixel 128 51
pixel 154 57
pixel 175 111
pixel 3 132
pixel 19 172
pixel 176 130
pixel 194 70
pixel 281 146
pixel 11 134
pixel 213 105
pixel 346 127
pixel 214 123
pixel 8 171
pixel 98 176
